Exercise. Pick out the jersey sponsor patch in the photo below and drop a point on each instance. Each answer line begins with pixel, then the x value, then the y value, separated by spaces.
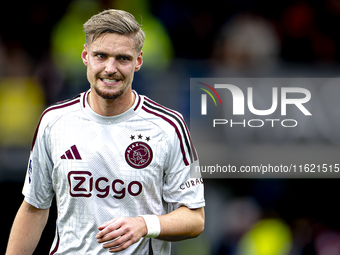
pixel 84 184
pixel 138 155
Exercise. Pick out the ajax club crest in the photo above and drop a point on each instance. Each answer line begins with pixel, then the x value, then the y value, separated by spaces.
pixel 138 155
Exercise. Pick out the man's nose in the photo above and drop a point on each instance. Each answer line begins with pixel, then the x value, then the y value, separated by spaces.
pixel 111 67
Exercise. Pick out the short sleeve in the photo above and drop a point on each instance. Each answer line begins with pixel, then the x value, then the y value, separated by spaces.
pixel 38 186
pixel 183 185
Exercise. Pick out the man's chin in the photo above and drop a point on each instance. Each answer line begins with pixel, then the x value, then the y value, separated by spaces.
pixel 108 94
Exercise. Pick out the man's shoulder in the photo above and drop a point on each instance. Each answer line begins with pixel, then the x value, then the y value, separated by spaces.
pixel 155 111
pixel 169 120
pixel 62 107
pixel 58 110
pixel 55 112
pixel 173 125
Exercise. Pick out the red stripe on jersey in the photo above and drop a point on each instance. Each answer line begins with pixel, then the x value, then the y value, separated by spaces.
pixel 57 244
pixel 84 98
pixel 176 129
pixel 139 99
pixel 48 110
pixel 179 116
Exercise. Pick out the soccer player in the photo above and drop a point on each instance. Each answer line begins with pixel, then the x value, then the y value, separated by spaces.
pixel 119 164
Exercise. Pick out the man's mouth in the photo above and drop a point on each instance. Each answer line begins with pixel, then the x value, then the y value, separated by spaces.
pixel 111 81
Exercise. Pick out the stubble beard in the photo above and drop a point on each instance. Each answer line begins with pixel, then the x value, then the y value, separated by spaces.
pixel 108 95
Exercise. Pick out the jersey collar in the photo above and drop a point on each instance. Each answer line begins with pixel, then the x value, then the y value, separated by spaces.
pixel 132 111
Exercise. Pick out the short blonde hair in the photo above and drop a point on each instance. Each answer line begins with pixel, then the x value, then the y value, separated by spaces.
pixel 114 21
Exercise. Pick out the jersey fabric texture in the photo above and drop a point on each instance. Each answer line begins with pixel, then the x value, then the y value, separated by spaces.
pixel 99 168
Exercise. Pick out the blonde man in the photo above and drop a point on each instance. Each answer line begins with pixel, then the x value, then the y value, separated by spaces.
pixel 119 164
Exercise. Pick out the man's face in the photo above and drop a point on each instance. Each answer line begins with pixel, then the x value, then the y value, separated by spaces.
pixel 111 61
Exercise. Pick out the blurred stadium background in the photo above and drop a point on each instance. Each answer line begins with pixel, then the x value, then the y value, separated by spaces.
pixel 40 64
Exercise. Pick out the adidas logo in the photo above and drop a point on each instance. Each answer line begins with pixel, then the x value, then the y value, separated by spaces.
pixel 73 153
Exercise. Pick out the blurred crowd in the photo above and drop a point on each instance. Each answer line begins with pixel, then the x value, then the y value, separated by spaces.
pixel 40 63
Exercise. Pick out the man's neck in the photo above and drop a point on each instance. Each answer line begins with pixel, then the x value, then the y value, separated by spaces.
pixel 108 107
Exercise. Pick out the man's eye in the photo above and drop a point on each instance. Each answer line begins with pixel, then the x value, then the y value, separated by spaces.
pixel 101 56
pixel 124 58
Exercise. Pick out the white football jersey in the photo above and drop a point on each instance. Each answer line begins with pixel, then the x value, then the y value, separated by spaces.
pixel 99 168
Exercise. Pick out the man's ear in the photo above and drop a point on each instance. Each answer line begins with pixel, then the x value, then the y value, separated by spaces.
pixel 139 61
pixel 84 55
